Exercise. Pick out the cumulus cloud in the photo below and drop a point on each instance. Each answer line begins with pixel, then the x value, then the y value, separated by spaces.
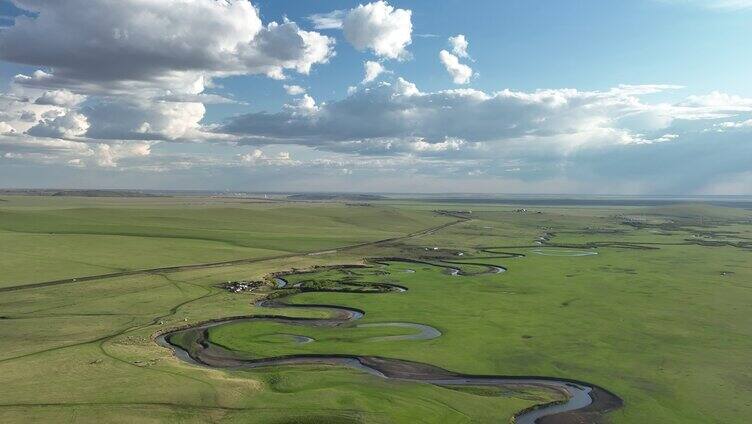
pixel 303 106
pixel 154 45
pixel 115 79
pixel 379 27
pixel 294 90
pixel 125 119
pixel 45 145
pixel 42 149
pixel 22 112
pixel 372 71
pixel 63 98
pixel 137 70
pixel 717 100
pixel 105 118
pixel 69 125
pixel 108 155
pixel 398 118
pixel 459 45
pixel 460 73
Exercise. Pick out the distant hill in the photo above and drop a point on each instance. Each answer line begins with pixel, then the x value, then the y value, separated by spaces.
pixel 334 197
pixel 76 193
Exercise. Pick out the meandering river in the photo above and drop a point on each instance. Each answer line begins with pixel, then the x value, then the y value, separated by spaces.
pixel 585 403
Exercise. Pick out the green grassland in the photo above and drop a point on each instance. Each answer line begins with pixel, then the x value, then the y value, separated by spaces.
pixel 45 240
pixel 659 316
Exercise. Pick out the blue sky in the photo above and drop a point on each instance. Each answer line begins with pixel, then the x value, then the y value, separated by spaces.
pixel 527 45
pixel 633 87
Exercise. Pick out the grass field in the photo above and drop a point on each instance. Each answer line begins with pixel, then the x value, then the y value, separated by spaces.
pixel 44 239
pixel 660 315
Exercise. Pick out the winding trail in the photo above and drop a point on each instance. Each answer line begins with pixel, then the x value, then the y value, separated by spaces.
pixel 585 403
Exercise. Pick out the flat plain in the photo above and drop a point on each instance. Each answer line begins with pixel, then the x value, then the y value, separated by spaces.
pixel 650 303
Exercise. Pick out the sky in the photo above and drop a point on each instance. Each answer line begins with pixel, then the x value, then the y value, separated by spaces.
pixel 643 97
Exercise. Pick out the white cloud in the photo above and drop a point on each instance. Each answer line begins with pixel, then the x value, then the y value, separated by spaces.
pixel 459 45
pixel 303 106
pixel 372 71
pixel 640 139
pixel 135 119
pixel 399 119
pixel 379 27
pixel 116 78
pixel 460 73
pixel 258 158
pixel 6 128
pixel 402 87
pixel 63 98
pixel 69 125
pixel 108 155
pixel 294 90
pixel 442 146
pixel 141 66
pixel 253 156
pixel 22 147
pixel 50 150
pixel 21 112
pixel 175 45
pixel 731 125
pixel 331 20
pixel 104 118
pixel 718 100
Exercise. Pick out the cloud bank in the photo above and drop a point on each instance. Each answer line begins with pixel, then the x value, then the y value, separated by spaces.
pixel 176 45
pixel 135 70
pixel 125 92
